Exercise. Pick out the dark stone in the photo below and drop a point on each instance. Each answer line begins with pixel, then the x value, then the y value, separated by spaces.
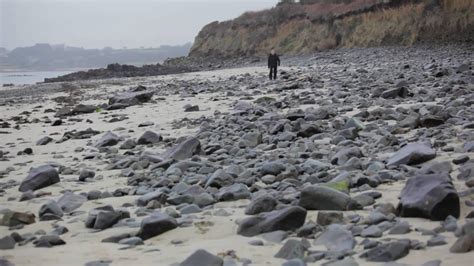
pixel 39 177
pixel 307 131
pixel 233 192
pixel 336 239
pixel 17 218
pixel 106 219
pixel 44 141
pixel 289 218
pixel 220 178
pixel 461 159
pixel 149 137
pixel 292 249
pixel 464 244
pixel 49 241
pixel 7 242
pixel 400 228
pixel 388 252
pixel 437 240
pixel 324 198
pixel 156 224
pixel 131 241
pixel 394 93
pixel 272 168
pixel 131 98
pixel 265 203
pixel 431 121
pixel 202 258
pixel 70 201
pixel 191 108
pixel 429 196
pixel 184 150
pixel 85 173
pixel 330 217
pixel 108 139
pixel 342 156
pixel 83 109
pixel 413 153
pixel 116 238
pixel 51 207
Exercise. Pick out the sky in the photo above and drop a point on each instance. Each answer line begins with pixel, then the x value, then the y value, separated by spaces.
pixel 114 23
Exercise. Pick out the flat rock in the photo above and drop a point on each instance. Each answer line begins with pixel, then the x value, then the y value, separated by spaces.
pixel 388 252
pixel 413 153
pixel 290 218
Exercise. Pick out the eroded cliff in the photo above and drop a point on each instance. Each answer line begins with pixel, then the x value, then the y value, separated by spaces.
pixel 312 25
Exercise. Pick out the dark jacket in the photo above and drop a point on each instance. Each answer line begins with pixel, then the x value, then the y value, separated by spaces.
pixel 273 60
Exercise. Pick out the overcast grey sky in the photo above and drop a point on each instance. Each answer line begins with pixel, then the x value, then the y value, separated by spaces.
pixel 114 23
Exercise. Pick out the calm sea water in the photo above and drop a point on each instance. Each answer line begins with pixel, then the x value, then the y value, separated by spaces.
pixel 29 77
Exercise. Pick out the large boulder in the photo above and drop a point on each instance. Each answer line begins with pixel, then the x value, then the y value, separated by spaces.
pixel 289 218
pixel 429 196
pixel 39 177
pixel 413 153
pixel 131 98
pixel 184 150
pixel 156 224
pixel 325 198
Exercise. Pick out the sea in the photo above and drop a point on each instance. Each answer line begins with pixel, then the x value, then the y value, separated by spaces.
pixel 29 77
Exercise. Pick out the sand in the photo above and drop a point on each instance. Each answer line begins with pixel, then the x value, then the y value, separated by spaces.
pixel 214 233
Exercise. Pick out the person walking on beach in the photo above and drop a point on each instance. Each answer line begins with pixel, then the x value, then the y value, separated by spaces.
pixel 273 64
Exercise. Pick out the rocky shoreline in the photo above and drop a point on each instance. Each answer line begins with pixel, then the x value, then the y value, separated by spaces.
pixel 177 65
pixel 352 157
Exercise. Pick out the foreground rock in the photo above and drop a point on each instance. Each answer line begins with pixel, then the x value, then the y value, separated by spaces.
pixel 155 225
pixel 414 153
pixel 202 258
pixel 290 218
pixel 388 252
pixel 429 196
pixel 39 177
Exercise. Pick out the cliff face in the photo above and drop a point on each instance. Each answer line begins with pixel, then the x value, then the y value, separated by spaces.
pixel 312 25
